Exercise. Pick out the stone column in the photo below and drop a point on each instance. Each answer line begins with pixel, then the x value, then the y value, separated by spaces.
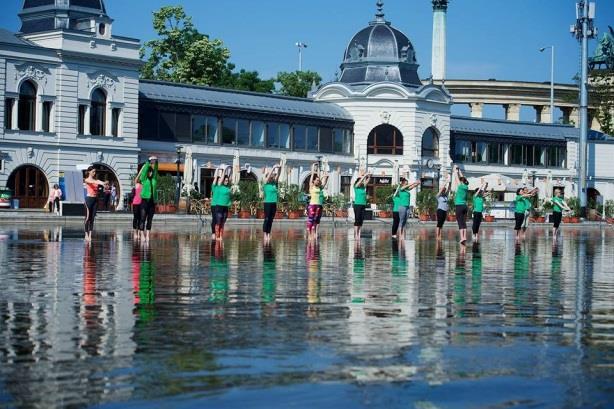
pixel 542 114
pixel 566 114
pixel 476 109
pixel 108 120
pixel 512 112
pixel 15 114
pixel 86 121
pixel 574 117
pixel 38 114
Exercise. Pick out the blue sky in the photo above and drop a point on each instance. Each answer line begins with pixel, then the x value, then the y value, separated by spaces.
pixel 486 38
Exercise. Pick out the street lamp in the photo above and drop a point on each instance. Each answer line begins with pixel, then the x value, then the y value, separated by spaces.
pixel 551 47
pixel 300 46
pixel 178 162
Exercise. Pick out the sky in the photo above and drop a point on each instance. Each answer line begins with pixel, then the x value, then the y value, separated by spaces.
pixel 486 38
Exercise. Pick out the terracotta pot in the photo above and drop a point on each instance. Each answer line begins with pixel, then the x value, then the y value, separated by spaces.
pixel 575 220
pixel 610 220
pixel 171 209
pixel 451 217
pixel 385 214
pixel 489 219
pixel 294 214
pixel 540 219
pixel 341 213
pixel 279 215
pixel 566 219
pixel 260 214
pixel 424 217
pixel 244 214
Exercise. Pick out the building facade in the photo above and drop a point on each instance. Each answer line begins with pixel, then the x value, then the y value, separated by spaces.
pixel 72 97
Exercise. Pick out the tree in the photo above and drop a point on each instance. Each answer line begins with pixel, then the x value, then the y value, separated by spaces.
pixel 247 81
pixel 298 83
pixel 181 53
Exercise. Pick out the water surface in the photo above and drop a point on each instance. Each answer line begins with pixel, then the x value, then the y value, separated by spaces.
pixel 186 323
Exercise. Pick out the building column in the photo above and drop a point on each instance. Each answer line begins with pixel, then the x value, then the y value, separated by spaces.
pixel 542 114
pixel 15 114
pixel 108 120
pixel 512 112
pixel 86 121
pixel 476 109
pixel 566 114
pixel 38 114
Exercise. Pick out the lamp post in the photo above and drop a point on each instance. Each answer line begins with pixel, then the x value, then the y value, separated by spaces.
pixel 533 173
pixel 300 46
pixel 178 162
pixel 551 47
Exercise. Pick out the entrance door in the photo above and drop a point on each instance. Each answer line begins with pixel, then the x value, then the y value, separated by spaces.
pixel 29 186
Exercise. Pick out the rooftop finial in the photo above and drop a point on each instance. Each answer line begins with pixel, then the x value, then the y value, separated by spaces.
pixel 379 16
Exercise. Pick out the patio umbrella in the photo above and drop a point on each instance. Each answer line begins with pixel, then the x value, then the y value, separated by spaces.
pixel 283 171
pixel 188 171
pixel 548 186
pixel 236 171
pixel 525 177
pixel 395 173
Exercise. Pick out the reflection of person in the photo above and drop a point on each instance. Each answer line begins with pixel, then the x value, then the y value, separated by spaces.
pixel 558 205
pixel 218 273
pixel 269 190
pixel 268 274
pixel 149 196
pixel 91 198
pixel 146 288
pixel 360 203
pixel 460 203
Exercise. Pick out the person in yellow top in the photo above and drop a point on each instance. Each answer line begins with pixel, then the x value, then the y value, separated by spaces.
pixel 316 200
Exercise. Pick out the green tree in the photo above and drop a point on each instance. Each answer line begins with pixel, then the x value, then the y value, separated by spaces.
pixel 298 83
pixel 246 81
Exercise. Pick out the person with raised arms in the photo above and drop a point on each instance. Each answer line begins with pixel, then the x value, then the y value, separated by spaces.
pixel 91 200
pixel 360 203
pixel 149 196
pixel 224 200
pixel 314 209
pixel 270 193
pixel 520 207
pixel 218 175
pixel 478 208
pixel 460 203
pixel 442 207
pixel 558 206
pixel 403 191
pixel 395 213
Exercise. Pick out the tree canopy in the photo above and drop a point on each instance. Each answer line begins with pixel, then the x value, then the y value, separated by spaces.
pixel 297 83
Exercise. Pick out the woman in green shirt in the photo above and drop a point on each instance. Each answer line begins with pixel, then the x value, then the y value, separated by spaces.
pixel 218 174
pixel 395 215
pixel 558 205
pixel 478 208
pixel 460 203
pixel 269 192
pixel 149 196
pixel 223 202
pixel 404 200
pixel 360 203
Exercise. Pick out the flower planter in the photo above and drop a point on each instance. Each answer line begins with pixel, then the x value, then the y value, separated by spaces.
pixel 341 213
pixel 566 219
pixel 244 214
pixel 609 220
pixel 279 215
pixel 451 217
pixel 540 219
pixel 489 219
pixel 294 214
pixel 575 220
pixel 260 214
pixel 424 217
pixel 385 214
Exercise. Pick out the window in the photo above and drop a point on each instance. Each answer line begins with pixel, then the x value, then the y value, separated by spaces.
pixel 430 144
pixel 115 117
pixel 346 185
pixel 8 113
pixel 496 153
pixel 480 150
pixel 258 133
pixel 278 135
pixel 199 128
pixel 556 156
pixel 27 107
pixel 462 151
pixel 536 155
pixel 47 105
pixel 98 112
pixel 229 131
pixel 81 124
pixel 212 132
pixel 517 154
pixel 326 140
pixel 298 132
pixel 385 140
pixel 338 140
pixel 242 132
pixel 312 138
pixel 166 126
pixel 183 127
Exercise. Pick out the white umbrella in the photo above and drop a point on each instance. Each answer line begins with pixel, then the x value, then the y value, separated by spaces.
pixel 525 177
pixel 188 171
pixel 395 173
pixel 283 170
pixel 548 186
pixel 236 171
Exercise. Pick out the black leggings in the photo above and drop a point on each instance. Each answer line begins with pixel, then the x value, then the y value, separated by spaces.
pixel 395 223
pixel 359 214
pixel 213 213
pixel 90 212
pixel 269 215
pixel 441 217
pixel 477 220
pixel 148 208
pixel 136 216
pixel 556 219
pixel 519 219
pixel 54 205
pixel 461 216
pixel 221 214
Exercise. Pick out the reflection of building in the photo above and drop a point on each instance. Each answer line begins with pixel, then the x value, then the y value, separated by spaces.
pixel 72 97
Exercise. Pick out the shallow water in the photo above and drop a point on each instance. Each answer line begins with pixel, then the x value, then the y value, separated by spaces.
pixel 186 323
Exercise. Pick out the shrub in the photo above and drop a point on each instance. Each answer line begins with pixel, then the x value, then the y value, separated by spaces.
pixel 383 197
pixel 426 202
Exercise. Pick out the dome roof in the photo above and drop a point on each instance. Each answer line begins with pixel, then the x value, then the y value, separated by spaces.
pixel 43 15
pixel 378 53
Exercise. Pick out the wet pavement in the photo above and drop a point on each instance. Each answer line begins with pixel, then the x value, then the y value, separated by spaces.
pixel 185 322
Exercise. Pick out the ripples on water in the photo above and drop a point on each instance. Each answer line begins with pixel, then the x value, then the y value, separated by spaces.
pixel 188 323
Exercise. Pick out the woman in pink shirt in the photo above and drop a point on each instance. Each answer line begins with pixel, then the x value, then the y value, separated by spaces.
pixel 136 207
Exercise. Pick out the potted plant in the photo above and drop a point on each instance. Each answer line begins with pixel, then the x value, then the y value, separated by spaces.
pixel 294 201
pixel 574 205
pixel 451 207
pixel 608 209
pixel 538 212
pixel 426 204
pixel 248 198
pixel 340 204
pixel 488 201
pixel 383 200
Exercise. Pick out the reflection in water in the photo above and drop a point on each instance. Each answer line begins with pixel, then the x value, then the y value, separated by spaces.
pixel 115 321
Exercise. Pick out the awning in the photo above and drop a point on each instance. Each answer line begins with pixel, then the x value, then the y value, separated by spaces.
pixel 169 167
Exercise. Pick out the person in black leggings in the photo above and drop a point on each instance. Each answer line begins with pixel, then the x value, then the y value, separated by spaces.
pixel 269 194
pixel 360 203
pixel 149 195
pixel 91 186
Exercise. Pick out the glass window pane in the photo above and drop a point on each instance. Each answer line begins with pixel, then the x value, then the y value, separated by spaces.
pixel 183 127
pixel 338 140
pixel 462 151
pixel 199 130
pixel 326 140
pixel 46 116
pixel 299 137
pixel 229 131
pixel 384 137
pixel 312 138
pixel 284 136
pixel 562 156
pixel 166 128
pixel 516 155
pixel 481 149
pixel 243 132
pixel 212 131
pixel 272 135
pixel 115 116
pixel 495 153
pixel 258 133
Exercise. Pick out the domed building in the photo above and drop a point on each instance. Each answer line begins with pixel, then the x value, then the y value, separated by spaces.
pixel 400 125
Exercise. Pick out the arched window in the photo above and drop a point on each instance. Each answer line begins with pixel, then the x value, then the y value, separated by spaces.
pixel 430 144
pixel 27 107
pixel 98 112
pixel 385 140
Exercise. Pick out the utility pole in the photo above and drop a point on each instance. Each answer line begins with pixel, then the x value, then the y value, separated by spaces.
pixel 583 30
pixel 300 46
